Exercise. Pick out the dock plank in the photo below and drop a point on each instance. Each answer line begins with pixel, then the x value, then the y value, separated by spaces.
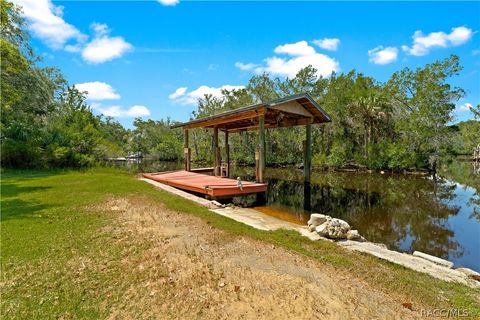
pixel 206 184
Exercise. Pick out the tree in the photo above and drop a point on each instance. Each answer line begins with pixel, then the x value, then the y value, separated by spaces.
pixel 44 121
pixel 73 137
pixel 155 138
pixel 28 92
pixel 423 103
pixel 476 111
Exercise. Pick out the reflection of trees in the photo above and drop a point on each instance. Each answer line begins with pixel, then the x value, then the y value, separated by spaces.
pixel 467 174
pixel 404 212
pixel 464 173
pixel 475 214
pixel 474 201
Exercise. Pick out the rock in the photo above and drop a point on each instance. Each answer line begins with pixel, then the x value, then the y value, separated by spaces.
pixel 322 230
pixel 317 219
pixel 470 273
pixel 311 228
pixel 355 236
pixel 433 259
pixel 333 229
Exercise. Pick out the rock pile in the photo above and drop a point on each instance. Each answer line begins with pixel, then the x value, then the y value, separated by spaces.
pixel 332 228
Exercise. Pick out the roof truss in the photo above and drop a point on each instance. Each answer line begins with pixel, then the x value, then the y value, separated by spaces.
pixel 286 112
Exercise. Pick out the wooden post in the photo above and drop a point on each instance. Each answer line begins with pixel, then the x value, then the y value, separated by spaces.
pixel 186 150
pixel 227 155
pixel 261 149
pixel 308 152
pixel 216 162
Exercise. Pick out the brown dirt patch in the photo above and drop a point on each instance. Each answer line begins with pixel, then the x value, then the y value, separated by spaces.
pixel 186 268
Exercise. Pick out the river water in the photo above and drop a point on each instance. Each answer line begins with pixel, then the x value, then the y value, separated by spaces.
pixel 438 216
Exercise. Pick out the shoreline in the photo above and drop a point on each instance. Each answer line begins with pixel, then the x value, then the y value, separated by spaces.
pixel 351 168
pixel 262 221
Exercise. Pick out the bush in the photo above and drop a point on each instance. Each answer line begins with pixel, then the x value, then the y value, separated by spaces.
pixel 399 157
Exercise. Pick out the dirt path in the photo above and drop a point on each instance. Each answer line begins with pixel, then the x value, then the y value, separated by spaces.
pixel 191 270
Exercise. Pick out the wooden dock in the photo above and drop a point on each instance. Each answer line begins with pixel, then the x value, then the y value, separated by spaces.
pixel 211 186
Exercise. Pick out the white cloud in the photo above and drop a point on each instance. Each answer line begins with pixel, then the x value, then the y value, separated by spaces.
pixel 300 48
pixel 327 43
pixel 100 29
pixel 290 67
pixel 118 111
pixel 104 48
pixel 168 2
pixel 245 66
pixel 381 55
pixel 181 96
pixel 460 35
pixel 73 48
pixel 98 90
pixel 46 22
pixel 299 55
pixel 464 107
pixel 423 43
pixel 178 93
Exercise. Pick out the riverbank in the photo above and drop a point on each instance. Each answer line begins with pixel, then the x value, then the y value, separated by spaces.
pixel 319 168
pixel 100 243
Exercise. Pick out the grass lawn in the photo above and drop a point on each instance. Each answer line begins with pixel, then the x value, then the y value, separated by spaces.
pixel 58 261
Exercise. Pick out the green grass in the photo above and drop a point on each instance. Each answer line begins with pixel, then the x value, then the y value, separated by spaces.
pixel 56 263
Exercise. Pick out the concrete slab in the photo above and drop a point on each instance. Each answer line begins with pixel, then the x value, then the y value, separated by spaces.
pixel 433 259
pixel 412 262
pixel 261 221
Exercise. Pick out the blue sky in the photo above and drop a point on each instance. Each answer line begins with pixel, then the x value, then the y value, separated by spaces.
pixel 154 58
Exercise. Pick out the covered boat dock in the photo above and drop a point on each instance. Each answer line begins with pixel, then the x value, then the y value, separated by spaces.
pixel 290 111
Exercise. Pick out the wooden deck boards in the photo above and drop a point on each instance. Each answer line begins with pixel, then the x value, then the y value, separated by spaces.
pixel 206 184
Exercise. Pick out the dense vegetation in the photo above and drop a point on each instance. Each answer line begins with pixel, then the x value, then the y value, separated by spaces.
pixel 404 123
pixel 45 122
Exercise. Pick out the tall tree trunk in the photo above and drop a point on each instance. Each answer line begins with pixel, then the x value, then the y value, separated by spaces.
pixel 365 137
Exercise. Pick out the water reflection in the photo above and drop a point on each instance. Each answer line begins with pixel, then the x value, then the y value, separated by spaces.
pixel 307 197
pixel 406 213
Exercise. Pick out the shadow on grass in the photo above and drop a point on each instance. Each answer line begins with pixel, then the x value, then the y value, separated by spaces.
pixel 15 208
pixel 28 174
pixel 12 190
pixel 20 209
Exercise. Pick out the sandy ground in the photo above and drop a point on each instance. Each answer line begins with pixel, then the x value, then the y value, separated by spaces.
pixel 190 270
